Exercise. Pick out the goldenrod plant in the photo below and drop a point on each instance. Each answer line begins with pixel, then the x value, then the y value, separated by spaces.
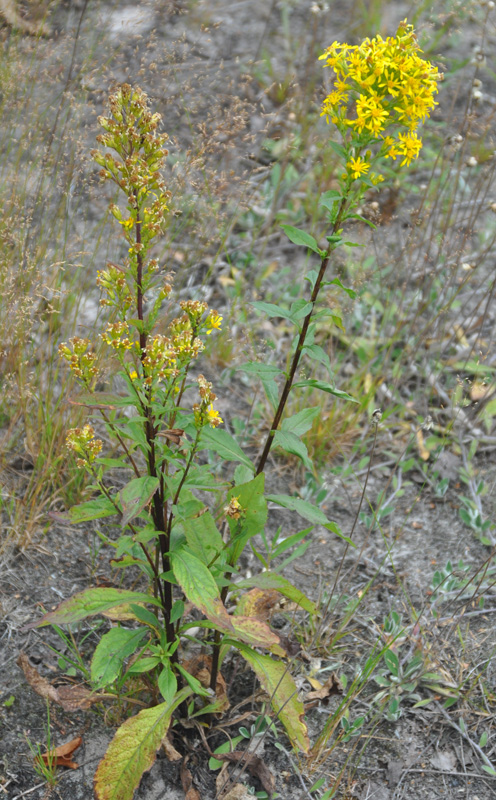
pixel 159 415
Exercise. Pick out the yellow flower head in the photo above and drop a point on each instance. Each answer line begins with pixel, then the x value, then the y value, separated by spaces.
pixel 381 85
pixel 357 167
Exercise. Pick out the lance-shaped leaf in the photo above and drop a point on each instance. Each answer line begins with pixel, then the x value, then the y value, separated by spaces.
pixel 200 587
pixel 325 387
pixel 257 633
pixel 301 422
pixel 98 508
pixel 303 238
pixel 136 495
pixel 251 498
pixel 309 512
pixel 221 442
pixel 292 444
pixel 89 603
pixel 133 750
pixel 202 591
pixel 112 650
pixel 280 686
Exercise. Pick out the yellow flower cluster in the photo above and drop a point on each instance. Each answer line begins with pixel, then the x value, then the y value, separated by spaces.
pixel 116 335
pixel 160 359
pixel 81 360
pixel 113 282
pixel 82 442
pixel 379 84
pixel 205 413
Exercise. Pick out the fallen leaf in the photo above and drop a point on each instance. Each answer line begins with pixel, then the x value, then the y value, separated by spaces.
pixel 62 756
pixel 170 751
pixel 41 685
pixel 332 686
pixel 190 793
pixel 69 696
pixel 444 760
pixel 254 765
pixel 238 792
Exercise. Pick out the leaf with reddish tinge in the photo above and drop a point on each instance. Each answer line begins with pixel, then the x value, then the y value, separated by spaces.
pixel 133 750
pixel 89 603
pixel 280 686
pixel 257 633
pixel 62 756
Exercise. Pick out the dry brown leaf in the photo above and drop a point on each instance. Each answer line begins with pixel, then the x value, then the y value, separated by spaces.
pixel 332 686
pixel 238 792
pixel 75 698
pixel 254 765
pixel 41 685
pixel 190 793
pixel 62 756
pixel 200 668
pixel 69 696
pixel 170 751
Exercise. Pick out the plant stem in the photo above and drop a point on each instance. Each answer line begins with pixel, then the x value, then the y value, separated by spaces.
pixel 301 342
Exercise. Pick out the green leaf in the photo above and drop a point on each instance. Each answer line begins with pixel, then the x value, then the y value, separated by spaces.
pixel 272 310
pixel 200 587
pixel 167 684
pixel 270 580
pixel 201 590
pixel 103 400
pixel 392 662
pixel 203 537
pixel 325 387
pixel 221 442
pixel 133 750
pixel 262 370
pixel 267 373
pixel 193 682
pixel 300 309
pixel 144 664
pixel 317 353
pixel 303 238
pixel 145 616
pixel 89 603
pixel 135 496
pixel 279 685
pixel 226 747
pixel 98 508
pixel 330 198
pixel 488 769
pixel 251 498
pixel 301 422
pixel 292 444
pixel 302 507
pixel 111 651
pixel 339 150
pixel 350 292
pixel 334 528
